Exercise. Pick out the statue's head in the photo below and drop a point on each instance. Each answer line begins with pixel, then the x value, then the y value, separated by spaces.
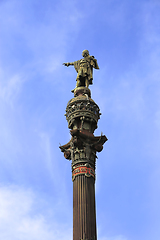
pixel 85 53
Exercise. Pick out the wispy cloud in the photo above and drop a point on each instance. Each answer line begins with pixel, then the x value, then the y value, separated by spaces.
pixel 10 88
pixel 36 37
pixel 38 47
pixel 19 219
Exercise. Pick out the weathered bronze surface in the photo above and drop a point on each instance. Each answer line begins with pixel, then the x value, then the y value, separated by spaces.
pixel 82 115
pixel 84 107
pixel 84 68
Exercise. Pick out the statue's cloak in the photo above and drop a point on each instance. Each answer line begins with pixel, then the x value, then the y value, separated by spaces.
pixel 84 68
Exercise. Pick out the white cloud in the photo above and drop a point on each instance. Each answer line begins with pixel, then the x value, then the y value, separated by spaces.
pixel 10 88
pixel 20 221
pixel 46 146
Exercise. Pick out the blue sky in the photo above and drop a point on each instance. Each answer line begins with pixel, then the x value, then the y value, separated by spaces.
pixel 36 37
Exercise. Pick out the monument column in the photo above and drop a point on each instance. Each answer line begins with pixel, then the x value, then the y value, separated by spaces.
pixel 82 114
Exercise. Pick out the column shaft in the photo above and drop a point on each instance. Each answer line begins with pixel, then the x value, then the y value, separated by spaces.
pixel 84 213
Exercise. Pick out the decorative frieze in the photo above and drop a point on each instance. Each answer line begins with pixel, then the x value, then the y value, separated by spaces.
pixel 83 170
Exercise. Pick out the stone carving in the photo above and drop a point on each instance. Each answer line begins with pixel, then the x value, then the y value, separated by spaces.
pixel 82 112
pixel 83 109
pixel 82 115
pixel 84 68
pixel 81 149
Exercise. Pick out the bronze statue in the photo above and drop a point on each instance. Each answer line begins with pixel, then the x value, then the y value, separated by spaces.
pixel 84 68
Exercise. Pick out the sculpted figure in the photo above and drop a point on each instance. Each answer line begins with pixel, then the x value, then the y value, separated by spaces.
pixel 84 68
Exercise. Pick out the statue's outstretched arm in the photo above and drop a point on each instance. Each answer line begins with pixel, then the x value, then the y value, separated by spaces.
pixel 68 64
